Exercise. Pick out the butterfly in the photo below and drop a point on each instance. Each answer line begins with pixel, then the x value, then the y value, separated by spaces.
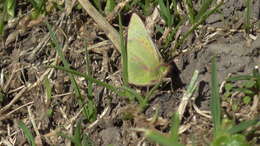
pixel 144 62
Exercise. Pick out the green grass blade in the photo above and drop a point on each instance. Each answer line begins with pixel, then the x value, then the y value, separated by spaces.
pixel 86 141
pixel 88 71
pixel 110 5
pixel 174 136
pixel 47 87
pixel 148 7
pixel 2 96
pixel 215 98
pixel 248 11
pixel 152 91
pixel 170 37
pixel 79 138
pixel 165 13
pixel 2 24
pixel 27 133
pixel 188 94
pixel 77 134
pixel 87 77
pixel 256 75
pixel 195 26
pixel 38 5
pixel 159 138
pixel 141 100
pixel 174 7
pixel 244 125
pixel 193 83
pixel 204 8
pixel 240 77
pixel 90 110
pixel 191 11
pixel 71 138
pixel 244 90
pixel 123 53
pixel 10 7
pixel 58 49
pixel 97 3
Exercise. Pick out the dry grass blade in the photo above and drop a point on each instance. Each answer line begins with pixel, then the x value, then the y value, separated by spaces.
pixel 3 117
pixel 18 95
pixel 188 93
pixel 109 30
pixel 117 9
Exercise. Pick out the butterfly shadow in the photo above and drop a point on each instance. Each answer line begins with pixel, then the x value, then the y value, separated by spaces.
pixel 174 74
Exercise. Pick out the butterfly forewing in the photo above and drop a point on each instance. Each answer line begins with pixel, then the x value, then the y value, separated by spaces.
pixel 143 56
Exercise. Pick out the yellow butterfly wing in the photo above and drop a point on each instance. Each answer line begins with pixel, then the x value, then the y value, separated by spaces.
pixel 145 64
